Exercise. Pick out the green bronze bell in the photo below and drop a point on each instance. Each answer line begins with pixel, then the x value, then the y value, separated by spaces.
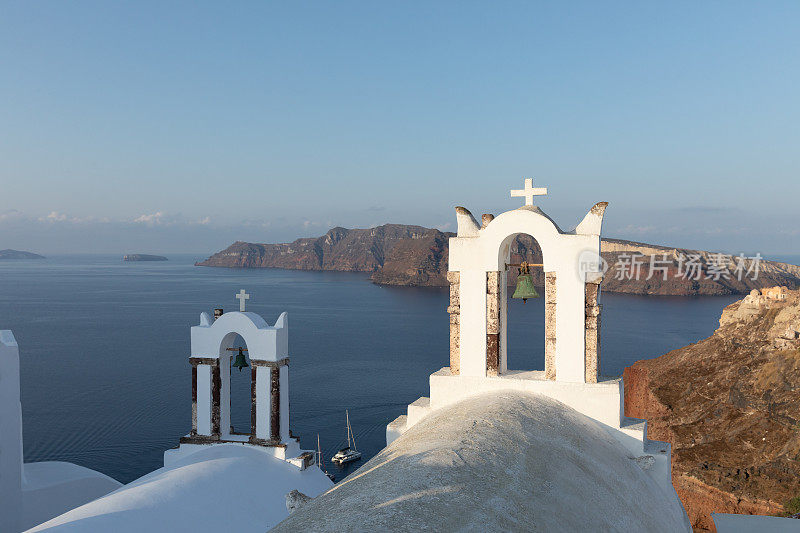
pixel 240 362
pixel 525 288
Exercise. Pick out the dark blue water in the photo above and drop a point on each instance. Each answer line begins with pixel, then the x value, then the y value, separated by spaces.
pixel 105 345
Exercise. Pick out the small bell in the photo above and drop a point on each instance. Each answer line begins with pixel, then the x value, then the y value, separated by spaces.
pixel 525 288
pixel 240 361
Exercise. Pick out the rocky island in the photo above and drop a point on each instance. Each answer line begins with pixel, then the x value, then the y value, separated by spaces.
pixel 18 254
pixel 397 254
pixel 143 257
pixel 730 406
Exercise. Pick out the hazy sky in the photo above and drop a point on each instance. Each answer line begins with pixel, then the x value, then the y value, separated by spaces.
pixel 182 126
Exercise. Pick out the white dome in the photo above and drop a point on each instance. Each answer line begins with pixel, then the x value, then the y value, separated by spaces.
pixel 502 462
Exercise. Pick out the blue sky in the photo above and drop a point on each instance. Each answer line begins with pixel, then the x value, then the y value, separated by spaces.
pixel 182 126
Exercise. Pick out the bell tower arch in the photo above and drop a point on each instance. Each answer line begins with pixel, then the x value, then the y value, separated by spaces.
pixel 213 351
pixel 478 262
pixel 573 271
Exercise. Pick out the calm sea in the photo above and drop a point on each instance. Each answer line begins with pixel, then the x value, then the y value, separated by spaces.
pixel 105 345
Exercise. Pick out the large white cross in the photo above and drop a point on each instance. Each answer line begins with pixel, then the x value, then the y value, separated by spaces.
pixel 529 192
pixel 242 296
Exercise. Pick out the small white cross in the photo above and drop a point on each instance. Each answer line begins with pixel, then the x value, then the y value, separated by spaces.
pixel 529 192
pixel 242 296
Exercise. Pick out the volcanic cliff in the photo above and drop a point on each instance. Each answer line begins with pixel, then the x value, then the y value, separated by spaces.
pixel 397 254
pixel 730 406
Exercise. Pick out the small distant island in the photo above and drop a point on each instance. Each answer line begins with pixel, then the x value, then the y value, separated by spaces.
pixel 17 254
pixel 144 257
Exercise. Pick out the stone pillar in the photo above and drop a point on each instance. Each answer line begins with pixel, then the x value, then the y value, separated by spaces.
pixel 275 404
pixel 216 386
pixel 203 371
pixel 592 333
pixel 455 322
pixel 550 325
pixel 262 404
pixel 493 291
pixel 269 389
pixel 194 399
pixel 253 402
pixel 283 377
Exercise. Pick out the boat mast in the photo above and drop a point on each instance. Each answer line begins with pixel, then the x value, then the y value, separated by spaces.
pixel 347 416
pixel 350 435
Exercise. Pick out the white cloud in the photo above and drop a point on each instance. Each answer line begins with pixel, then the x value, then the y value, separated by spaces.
pixel 11 214
pixel 58 217
pixel 160 218
pixel 154 219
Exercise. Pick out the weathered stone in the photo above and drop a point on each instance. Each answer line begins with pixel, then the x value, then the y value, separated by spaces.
pixel 493 282
pixel 252 401
pixel 550 287
pixel 550 325
pixel 278 363
pixel 550 320
pixel 592 332
pixel 492 354
pixel 454 349
pixel 194 400
pixel 493 292
pixel 296 499
pixel 275 407
pixel 454 310
pixel 592 293
pixel 485 219
pixel 455 299
pixel 592 339
pixel 216 384
pixel 550 358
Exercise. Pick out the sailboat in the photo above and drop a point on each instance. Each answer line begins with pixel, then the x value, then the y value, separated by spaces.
pixel 321 462
pixel 346 455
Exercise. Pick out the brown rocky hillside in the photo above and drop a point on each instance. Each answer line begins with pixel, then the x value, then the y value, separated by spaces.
pixel 730 406
pixel 397 254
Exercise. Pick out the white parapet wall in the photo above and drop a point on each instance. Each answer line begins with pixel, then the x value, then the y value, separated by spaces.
pixel 602 401
pixel 31 493
pixel 10 434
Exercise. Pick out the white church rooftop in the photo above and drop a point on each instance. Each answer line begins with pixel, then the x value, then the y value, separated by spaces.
pixel 224 487
pixel 503 461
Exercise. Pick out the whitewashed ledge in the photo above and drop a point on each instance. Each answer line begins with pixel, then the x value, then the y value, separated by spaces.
pixel 505 461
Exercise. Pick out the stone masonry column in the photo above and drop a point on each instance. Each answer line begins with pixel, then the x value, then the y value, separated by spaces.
pixel 493 291
pixel 455 322
pixel 253 402
pixel 592 356
pixel 205 376
pixel 216 386
pixel 194 398
pixel 550 325
pixel 275 404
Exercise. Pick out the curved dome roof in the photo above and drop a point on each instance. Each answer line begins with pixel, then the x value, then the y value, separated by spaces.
pixel 501 462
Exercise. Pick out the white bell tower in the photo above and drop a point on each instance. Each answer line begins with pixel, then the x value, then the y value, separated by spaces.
pixel 212 350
